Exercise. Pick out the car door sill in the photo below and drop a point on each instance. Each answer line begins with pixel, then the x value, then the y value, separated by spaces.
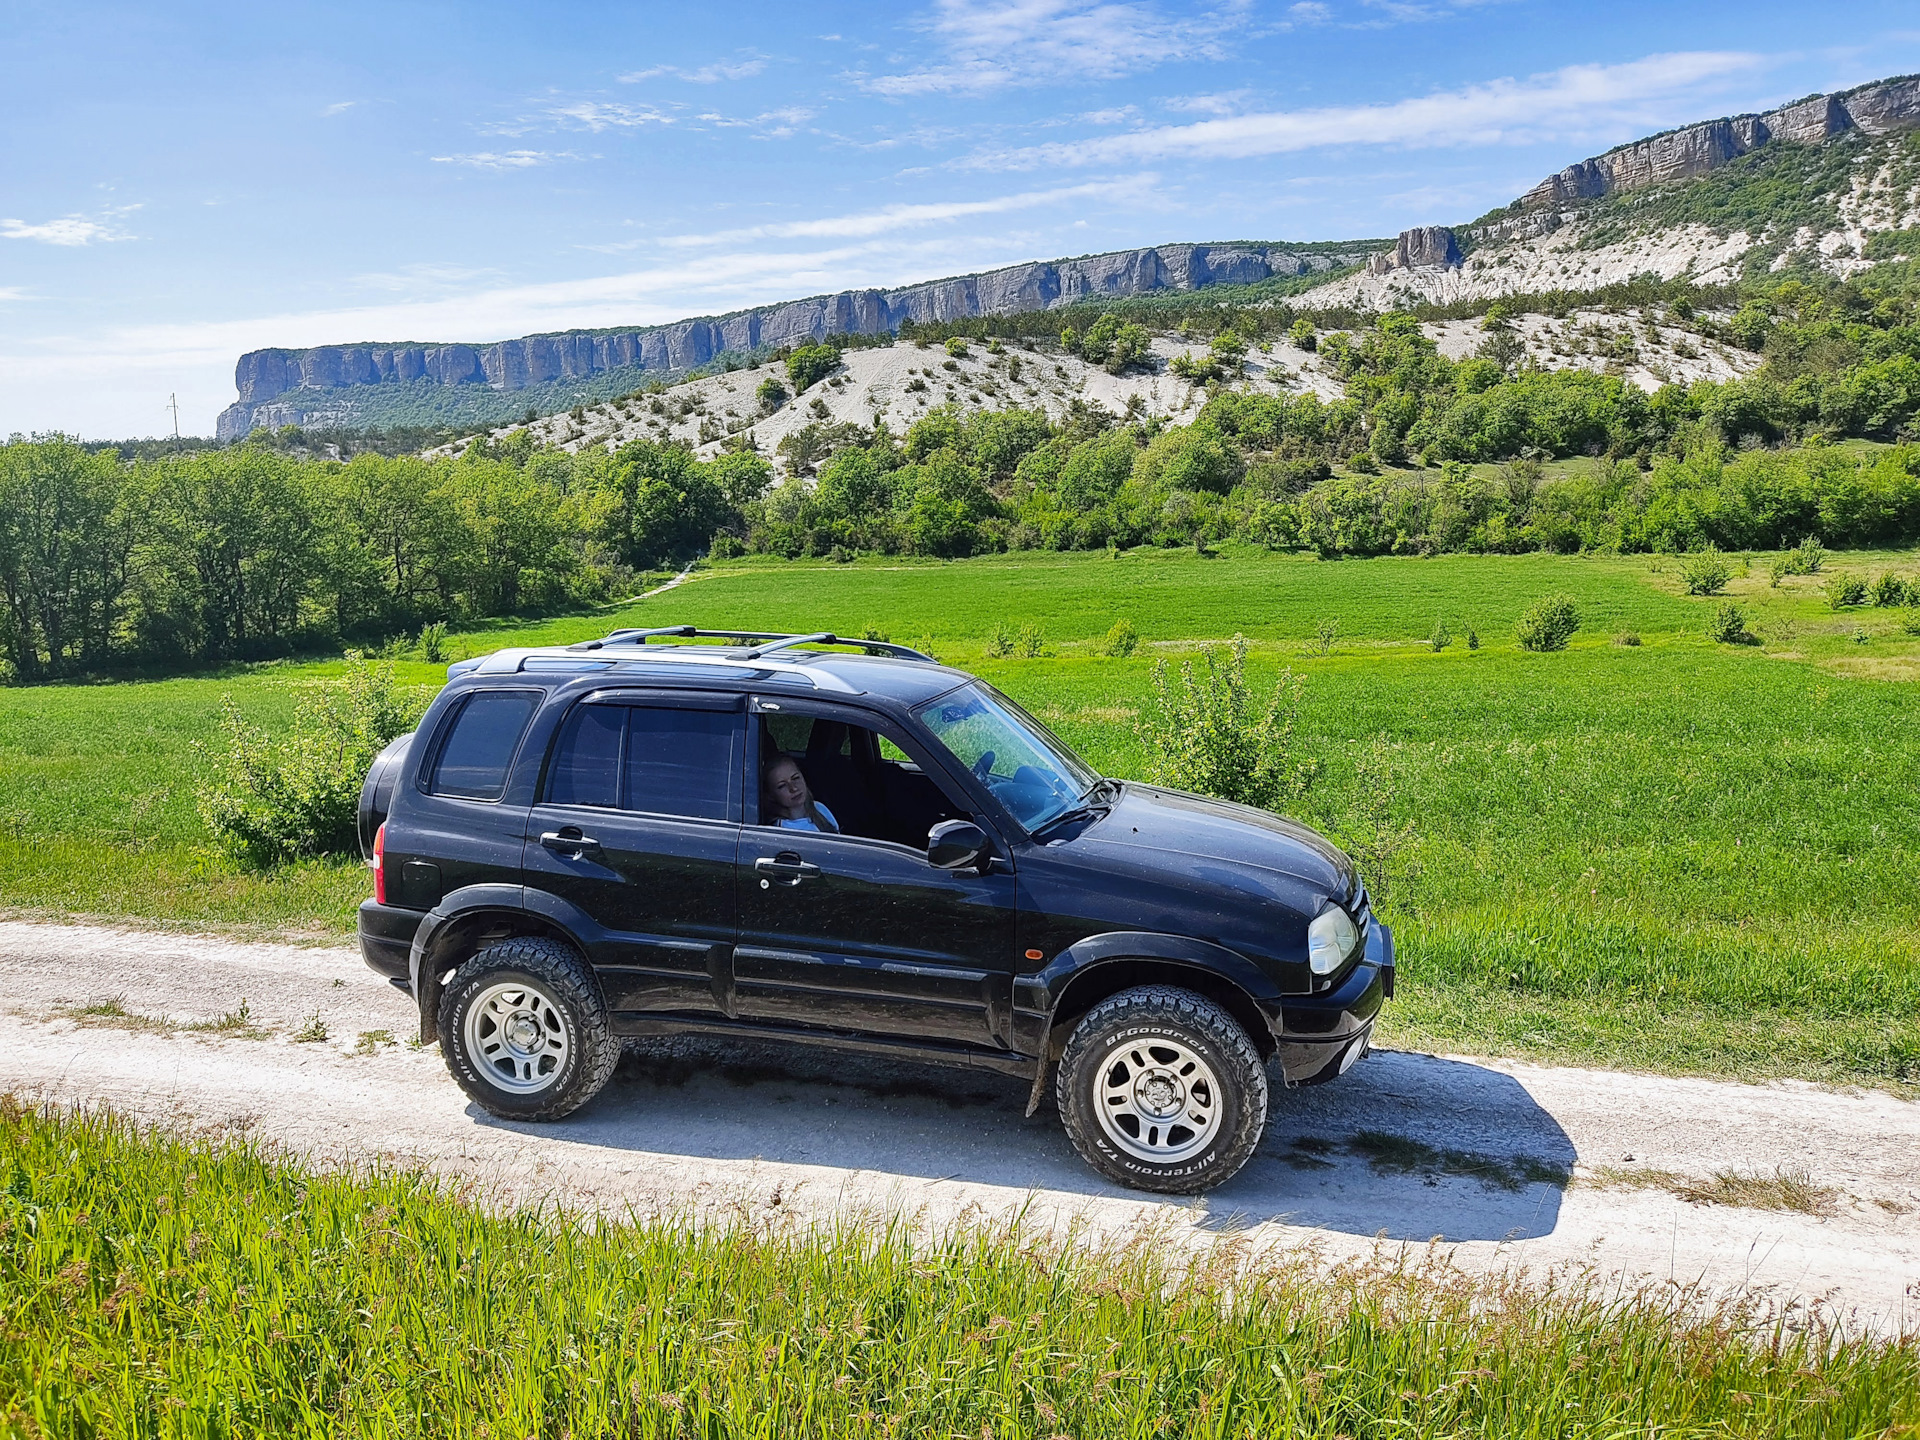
pixel 1006 1062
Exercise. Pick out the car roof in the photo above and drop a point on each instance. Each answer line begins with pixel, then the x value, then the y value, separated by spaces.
pixel 905 678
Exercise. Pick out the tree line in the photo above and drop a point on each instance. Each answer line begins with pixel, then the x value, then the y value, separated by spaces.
pixel 247 552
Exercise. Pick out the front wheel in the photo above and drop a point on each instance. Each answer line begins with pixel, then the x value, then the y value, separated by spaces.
pixel 1161 1089
pixel 524 1031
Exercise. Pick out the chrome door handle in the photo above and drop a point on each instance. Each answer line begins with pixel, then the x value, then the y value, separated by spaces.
pixel 576 843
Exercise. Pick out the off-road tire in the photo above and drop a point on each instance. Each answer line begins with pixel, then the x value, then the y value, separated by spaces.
pixel 562 978
pixel 1204 1029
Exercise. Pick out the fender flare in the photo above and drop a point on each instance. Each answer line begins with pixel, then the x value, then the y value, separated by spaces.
pixel 524 909
pixel 1037 995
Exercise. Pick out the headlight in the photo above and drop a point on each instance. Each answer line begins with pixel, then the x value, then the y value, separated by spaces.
pixel 1330 940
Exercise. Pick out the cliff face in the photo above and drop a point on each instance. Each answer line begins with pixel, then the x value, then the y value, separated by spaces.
pixel 1877 109
pixel 263 375
pixel 1424 248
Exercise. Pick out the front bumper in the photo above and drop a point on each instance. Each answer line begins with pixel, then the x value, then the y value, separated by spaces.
pixel 386 941
pixel 1319 1037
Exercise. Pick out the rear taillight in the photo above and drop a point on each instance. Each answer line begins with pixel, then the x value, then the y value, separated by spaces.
pixel 379 864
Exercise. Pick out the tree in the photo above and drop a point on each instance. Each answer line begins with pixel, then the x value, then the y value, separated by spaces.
pixel 811 363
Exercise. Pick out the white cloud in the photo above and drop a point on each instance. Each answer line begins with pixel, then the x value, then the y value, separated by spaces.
pixel 506 159
pixel 1226 103
pixel 1580 100
pixel 991 44
pixel 704 75
pixel 599 115
pixel 1309 12
pixel 903 217
pixel 425 278
pixel 339 107
pixel 68 229
pixel 10 293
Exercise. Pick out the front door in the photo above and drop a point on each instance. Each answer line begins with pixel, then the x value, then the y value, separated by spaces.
pixel 857 931
pixel 638 827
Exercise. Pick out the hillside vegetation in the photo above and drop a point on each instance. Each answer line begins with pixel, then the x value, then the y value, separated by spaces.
pixel 248 551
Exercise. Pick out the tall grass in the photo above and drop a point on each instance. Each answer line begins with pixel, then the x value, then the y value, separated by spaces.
pixel 154 1286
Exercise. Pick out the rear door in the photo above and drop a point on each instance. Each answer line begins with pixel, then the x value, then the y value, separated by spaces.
pixel 638 826
pixel 856 932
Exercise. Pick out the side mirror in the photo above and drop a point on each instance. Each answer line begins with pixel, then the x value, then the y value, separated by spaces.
pixel 958 845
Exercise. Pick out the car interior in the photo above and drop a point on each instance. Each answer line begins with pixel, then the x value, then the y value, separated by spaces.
pixel 873 789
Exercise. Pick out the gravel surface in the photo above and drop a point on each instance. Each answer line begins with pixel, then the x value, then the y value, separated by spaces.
pixel 1406 1147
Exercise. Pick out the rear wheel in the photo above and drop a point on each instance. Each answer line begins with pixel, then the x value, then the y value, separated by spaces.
pixel 1162 1090
pixel 524 1030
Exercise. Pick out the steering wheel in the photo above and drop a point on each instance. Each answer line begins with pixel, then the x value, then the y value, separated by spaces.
pixel 983 767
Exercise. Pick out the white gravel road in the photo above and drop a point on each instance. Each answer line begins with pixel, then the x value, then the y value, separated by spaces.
pixel 699 1127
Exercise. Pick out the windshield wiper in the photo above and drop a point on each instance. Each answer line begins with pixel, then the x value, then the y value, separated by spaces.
pixel 1088 808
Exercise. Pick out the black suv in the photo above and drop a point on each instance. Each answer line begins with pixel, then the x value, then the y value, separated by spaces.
pixel 607 840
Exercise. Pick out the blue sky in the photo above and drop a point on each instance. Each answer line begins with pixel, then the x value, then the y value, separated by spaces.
pixel 183 183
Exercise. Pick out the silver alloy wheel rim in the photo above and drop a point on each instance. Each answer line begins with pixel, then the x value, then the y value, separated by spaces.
pixel 1158 1100
pixel 517 1037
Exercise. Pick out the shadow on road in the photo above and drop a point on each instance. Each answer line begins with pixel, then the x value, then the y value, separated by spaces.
pixel 1407 1145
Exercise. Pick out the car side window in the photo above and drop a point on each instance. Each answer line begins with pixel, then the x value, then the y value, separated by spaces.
pixel 481 740
pixel 586 762
pixel 683 762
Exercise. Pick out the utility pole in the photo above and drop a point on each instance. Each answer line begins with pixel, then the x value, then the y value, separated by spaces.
pixel 173 404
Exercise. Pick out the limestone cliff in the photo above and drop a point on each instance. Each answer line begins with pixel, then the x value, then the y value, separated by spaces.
pixel 510 365
pixel 1877 109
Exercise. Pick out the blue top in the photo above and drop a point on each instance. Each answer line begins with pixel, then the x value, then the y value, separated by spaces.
pixel 805 822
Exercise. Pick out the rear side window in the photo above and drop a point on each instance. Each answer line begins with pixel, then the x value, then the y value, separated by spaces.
pixel 586 763
pixel 683 762
pixel 480 744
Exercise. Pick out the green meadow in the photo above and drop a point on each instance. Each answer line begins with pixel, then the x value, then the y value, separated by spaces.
pixel 1675 855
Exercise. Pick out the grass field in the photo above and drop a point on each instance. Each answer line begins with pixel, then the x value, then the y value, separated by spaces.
pixel 154 1287
pixel 1678 855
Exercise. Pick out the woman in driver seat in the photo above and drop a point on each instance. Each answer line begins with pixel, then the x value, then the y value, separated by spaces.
pixel 786 800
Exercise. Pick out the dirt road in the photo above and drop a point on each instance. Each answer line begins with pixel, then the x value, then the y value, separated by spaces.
pixel 1407 1146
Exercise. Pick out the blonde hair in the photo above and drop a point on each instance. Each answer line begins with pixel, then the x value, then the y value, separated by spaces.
pixel 766 794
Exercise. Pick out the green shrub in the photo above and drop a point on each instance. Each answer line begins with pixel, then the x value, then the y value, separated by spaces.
pixel 1473 638
pixel 811 363
pixel 1845 590
pixel 1808 558
pixel 1121 640
pixel 1705 572
pixel 433 643
pixel 840 555
pixel 1890 589
pixel 957 348
pixel 1729 626
pixel 725 547
pixel 271 800
pixel 874 632
pixel 1000 642
pixel 1548 623
pixel 1629 638
pixel 1301 334
pixel 1779 568
pixel 1910 617
pixel 1325 632
pixel 770 395
pixel 1032 641
pixel 1207 734
pixel 925 646
pixel 1440 638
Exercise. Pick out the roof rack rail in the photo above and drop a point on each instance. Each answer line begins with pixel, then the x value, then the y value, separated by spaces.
pixel 777 640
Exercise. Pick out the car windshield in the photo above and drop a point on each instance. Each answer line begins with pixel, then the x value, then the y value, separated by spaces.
pixel 1025 765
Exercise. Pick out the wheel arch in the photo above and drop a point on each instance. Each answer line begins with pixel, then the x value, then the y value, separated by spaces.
pixel 1085 974
pixel 448 940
